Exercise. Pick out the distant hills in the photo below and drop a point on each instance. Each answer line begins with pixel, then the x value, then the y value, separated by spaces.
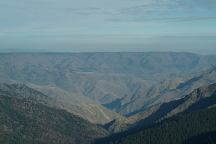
pixel 163 91
pixel 116 97
pixel 122 82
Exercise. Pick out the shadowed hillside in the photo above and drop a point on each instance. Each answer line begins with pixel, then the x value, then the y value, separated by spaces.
pixel 179 129
pixel 201 98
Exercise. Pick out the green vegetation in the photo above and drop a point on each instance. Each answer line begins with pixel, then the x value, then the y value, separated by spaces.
pixel 179 129
pixel 24 121
pixel 206 138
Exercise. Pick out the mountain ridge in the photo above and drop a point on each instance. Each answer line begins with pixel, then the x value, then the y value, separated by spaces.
pixel 132 81
pixel 177 121
pixel 200 98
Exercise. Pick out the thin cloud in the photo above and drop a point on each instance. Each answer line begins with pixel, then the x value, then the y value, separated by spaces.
pixel 165 19
pixel 168 11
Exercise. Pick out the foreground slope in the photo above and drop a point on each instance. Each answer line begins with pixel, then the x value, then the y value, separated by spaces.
pixel 58 98
pixel 179 129
pixel 25 121
pixel 78 104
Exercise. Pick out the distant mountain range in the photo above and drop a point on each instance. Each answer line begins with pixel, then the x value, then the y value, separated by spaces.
pixel 121 96
pixel 123 82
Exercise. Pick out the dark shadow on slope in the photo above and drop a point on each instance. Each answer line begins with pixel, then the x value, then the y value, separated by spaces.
pixel 207 138
pixel 161 112
pixel 116 104
pixel 146 123
pixel 189 82
pixel 203 103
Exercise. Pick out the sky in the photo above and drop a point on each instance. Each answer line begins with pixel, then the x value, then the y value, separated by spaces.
pixel 108 25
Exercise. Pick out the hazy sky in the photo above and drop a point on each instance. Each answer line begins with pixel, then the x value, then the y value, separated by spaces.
pixel 108 25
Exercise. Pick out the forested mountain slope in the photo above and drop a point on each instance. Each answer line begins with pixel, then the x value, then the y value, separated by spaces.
pixel 60 99
pixel 24 120
pixel 180 129
pixel 200 98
